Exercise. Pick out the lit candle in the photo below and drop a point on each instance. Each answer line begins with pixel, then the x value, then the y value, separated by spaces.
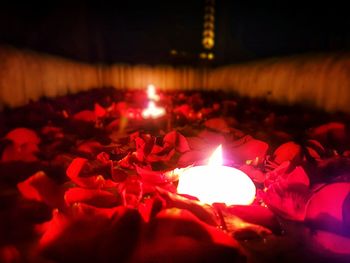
pixel 216 183
pixel 152 111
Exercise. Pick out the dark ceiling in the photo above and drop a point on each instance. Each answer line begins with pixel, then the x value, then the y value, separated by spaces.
pixel 146 31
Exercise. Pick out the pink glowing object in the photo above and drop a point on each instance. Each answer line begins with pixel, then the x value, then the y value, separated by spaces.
pixel 216 183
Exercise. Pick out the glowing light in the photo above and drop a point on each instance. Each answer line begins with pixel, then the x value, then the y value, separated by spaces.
pixel 208 42
pixel 203 55
pixel 151 93
pixel 152 111
pixel 215 183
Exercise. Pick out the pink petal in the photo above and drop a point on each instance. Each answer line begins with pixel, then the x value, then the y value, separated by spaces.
pixel 332 242
pixel 328 208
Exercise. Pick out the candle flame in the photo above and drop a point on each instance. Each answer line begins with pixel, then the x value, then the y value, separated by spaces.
pixel 216 158
pixel 151 93
pixel 153 111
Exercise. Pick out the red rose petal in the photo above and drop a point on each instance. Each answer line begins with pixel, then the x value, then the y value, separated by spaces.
pixel 25 152
pixel 89 147
pixel 177 141
pixel 41 188
pixel 217 124
pixel 288 201
pixel 334 131
pixel 99 198
pixel 191 157
pixel 94 181
pixel 184 222
pixel 255 174
pixel 153 177
pixel 85 115
pixel 256 214
pixel 21 136
pixel 328 208
pixel 203 212
pixel 250 150
pixel 332 242
pixel 289 151
pixel 99 111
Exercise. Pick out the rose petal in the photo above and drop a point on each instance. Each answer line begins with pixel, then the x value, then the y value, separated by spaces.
pixel 185 223
pixel 25 152
pixel 332 242
pixel 41 188
pixel 89 147
pixel 204 212
pixel 328 208
pixel 153 177
pixel 289 151
pixel 329 133
pixel 85 115
pixel 250 150
pixel 99 111
pixel 256 214
pixel 217 124
pixel 177 141
pixel 20 136
pixel 99 198
pixel 287 201
pixel 192 157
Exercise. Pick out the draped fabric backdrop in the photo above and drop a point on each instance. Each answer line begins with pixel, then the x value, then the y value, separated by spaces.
pixel 320 81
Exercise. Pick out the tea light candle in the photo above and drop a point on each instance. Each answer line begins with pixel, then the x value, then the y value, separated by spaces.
pixel 216 183
pixel 153 111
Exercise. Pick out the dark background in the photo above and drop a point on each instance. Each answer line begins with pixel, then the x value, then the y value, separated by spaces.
pixel 146 31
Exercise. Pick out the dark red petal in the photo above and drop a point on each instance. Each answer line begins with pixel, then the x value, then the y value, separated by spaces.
pixel 25 152
pixel 41 188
